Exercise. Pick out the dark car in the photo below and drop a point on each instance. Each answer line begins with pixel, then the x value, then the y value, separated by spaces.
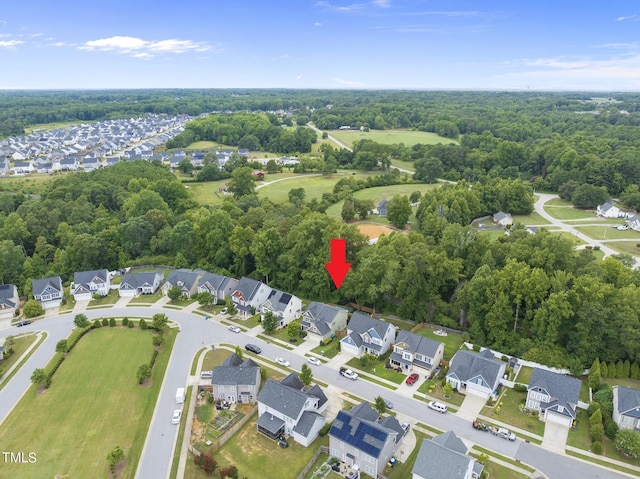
pixel 23 323
pixel 253 348
pixel 412 379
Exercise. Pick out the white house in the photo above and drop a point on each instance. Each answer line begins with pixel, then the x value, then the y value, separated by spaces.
pixel 135 284
pixel 554 395
pixel 87 283
pixel 475 373
pixel 248 294
pixel 609 210
pixel 286 307
pixel 367 335
pixel 633 222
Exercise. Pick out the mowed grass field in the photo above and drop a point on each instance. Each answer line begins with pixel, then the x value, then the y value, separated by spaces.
pixel 390 137
pixel 93 405
pixel 608 233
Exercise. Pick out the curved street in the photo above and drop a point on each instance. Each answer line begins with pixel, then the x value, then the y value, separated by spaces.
pixel 196 332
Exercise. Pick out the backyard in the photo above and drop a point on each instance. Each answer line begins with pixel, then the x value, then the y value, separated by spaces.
pixel 91 409
pixel 452 341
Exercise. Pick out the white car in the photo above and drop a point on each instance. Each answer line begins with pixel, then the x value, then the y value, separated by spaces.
pixel 314 361
pixel 437 406
pixel 282 362
pixel 235 329
pixel 349 374
pixel 224 311
pixel 177 414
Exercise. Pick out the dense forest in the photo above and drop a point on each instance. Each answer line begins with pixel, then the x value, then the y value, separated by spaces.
pixel 529 295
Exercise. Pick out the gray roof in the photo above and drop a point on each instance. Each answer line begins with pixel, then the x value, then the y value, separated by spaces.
pixel 628 401
pixel 500 215
pixel 86 277
pixel 436 460
pixel 270 422
pixel 279 300
pixel 287 396
pixel 137 280
pixel 418 344
pixel 322 315
pixel 469 364
pixel 361 323
pixel 184 277
pixel 606 206
pixel 316 391
pixel 7 295
pixel 236 375
pixel 247 287
pixel 215 281
pixel 306 422
pixel 564 390
pixel 39 285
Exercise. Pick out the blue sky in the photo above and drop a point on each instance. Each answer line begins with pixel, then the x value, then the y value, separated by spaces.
pixel 391 44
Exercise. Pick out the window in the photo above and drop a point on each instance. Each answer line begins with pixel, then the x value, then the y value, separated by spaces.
pixel 368 470
pixel 220 389
pixel 406 356
pixel 232 389
pixel 341 445
pixel 335 452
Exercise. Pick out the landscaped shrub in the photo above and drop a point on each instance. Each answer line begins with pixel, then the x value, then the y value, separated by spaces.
pixel 325 429
pixel 130 324
pixel 610 429
pixel 520 388
pixel 96 324
pixel 593 407
pixel 153 358
pixel 105 322
pixel 112 322
pixel 143 324
pixel 596 447
pixel 143 373
pixel 125 321
pixel 157 340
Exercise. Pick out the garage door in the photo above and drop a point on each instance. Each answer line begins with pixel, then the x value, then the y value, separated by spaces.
pixel 477 390
pixel 559 418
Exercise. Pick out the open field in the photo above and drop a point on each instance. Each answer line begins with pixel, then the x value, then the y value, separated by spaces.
pixel 390 137
pixel 407 165
pixel 52 126
pixel 626 247
pixel 569 213
pixel 532 219
pixel 608 232
pixel 374 231
pixel 87 411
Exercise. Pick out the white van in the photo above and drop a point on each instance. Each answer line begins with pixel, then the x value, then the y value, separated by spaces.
pixel 180 395
pixel 437 406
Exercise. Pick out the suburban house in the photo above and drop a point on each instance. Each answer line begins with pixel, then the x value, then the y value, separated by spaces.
pixel 22 167
pixel 48 291
pixel 475 373
pixel 248 294
pixel 633 222
pixel 381 209
pixel 69 164
pixel 626 407
pixel 502 219
pixel 286 307
pixel 87 283
pixel 220 287
pixel 367 335
pixel 9 302
pixel 360 437
pixel 135 284
pixel 184 279
pixel 554 395
pixel 236 380
pixel 324 320
pixel 5 166
pixel 287 407
pixel 445 457
pixel 609 210
pixel 415 353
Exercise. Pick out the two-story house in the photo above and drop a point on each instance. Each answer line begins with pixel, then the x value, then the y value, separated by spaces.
pixel 248 294
pixel 287 407
pixel 475 373
pixel 286 307
pixel 87 283
pixel 236 380
pixel 324 320
pixel 135 284
pixel 415 353
pixel 360 437
pixel 9 303
pixel 367 335
pixel 608 210
pixel 554 395
pixel 626 407
pixel 48 291
pixel 183 279
pixel 220 287
pixel 445 457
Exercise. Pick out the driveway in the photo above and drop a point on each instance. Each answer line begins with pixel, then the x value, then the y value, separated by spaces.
pixel 555 437
pixel 471 407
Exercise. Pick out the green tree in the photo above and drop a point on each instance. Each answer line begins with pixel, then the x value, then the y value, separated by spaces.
pixel 306 375
pixel 447 389
pixel 596 429
pixel 595 375
pixel 38 377
pixel 269 322
pixel 604 370
pixel 399 211
pixel 205 298
pixel 143 373
pixel 589 196
pixel 174 293
pixel 273 167
pixel 32 308
pixel 296 196
pixel 379 405
pixel 115 457
pixel 61 346
pixel 293 329
pixel 348 212
pixel 81 321
pixel 185 166
pixel 159 321
pixel 628 443
pixel 239 352
pixel 242 182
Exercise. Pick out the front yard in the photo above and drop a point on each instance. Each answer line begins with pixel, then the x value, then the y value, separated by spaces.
pixel 147 298
pixel 433 387
pixel 508 410
pixel 330 350
pixel 376 368
pixel 248 323
pixel 111 298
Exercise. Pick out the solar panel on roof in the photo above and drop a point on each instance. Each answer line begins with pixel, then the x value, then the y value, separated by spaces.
pixel 285 298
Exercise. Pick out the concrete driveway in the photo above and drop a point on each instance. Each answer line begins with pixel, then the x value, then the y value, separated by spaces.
pixel 555 437
pixel 471 407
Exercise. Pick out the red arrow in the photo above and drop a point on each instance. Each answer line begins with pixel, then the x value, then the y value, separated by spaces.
pixel 338 267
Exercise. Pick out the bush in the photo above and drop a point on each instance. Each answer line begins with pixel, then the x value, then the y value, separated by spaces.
pixel 32 308
pixel 112 322
pixel 325 429
pixel 143 324
pixel 154 355
pixel 105 322
pixel 125 321
pixel 520 388
pixel 143 373
pixel 130 324
pixel 628 443
pixel 596 447
pixel 611 429
pixel 96 324
pixel 157 340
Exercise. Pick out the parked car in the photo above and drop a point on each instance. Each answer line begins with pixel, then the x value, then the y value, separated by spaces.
pixel 235 329
pixel 503 433
pixel 437 406
pixel 413 377
pixel 314 361
pixel 348 373
pixel 388 404
pixel 177 414
pixel 282 362
pixel 622 227
pixel 24 323
pixel 253 348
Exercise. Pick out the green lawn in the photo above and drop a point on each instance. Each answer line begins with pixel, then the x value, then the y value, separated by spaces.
pixel 407 165
pixel 626 247
pixel 89 410
pixel 405 324
pixel 248 323
pixel 330 350
pixel 511 414
pixel 532 219
pixel 376 368
pixel 574 239
pixel 558 202
pixel 283 335
pixel 608 232
pixel 524 375
pixel 630 383
pixel 182 302
pixel 19 345
pixel 214 358
pixel 390 137
pixel 147 298
pixel 452 342
pixel 402 470
pixel 202 145
pixel 433 388
pixel 51 126
pixel 568 212
pixel 111 298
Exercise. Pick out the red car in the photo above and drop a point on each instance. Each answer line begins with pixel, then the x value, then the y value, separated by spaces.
pixel 412 379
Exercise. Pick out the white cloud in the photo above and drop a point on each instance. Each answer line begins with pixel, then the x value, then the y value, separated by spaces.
pixel 622 19
pixel 299 77
pixel 348 82
pixel 10 43
pixel 140 48
pixel 317 24
pixel 354 7
pixel 59 44
pixel 381 3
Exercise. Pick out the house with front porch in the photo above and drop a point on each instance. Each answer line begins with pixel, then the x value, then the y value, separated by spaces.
pixel 183 279
pixel 235 380
pixel 555 396
pixel 287 407
pixel 48 291
pixel 249 294
pixel 609 210
pixel 475 373
pixel 415 353
pixel 324 320
pixel 367 335
pixel 626 407
pixel 360 437
pixel 220 287
pixel 135 284
pixel 87 283
pixel 445 457
pixel 286 307
pixel 9 302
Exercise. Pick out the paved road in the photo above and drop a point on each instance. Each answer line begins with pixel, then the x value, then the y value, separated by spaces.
pixel 196 332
